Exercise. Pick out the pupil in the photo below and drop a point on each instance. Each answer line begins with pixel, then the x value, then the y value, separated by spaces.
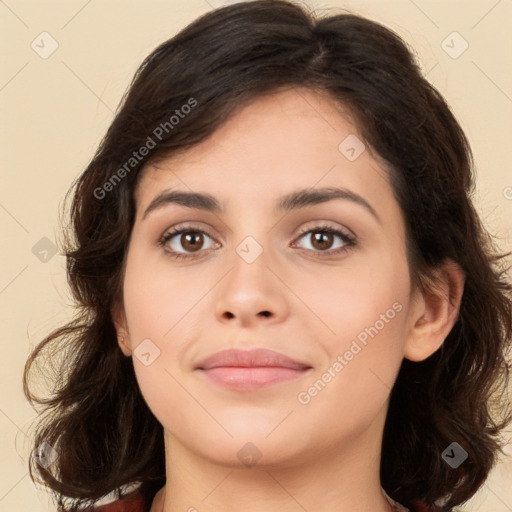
pixel 320 238
pixel 191 240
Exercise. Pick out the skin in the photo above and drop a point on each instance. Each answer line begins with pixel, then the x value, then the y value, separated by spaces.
pixel 323 455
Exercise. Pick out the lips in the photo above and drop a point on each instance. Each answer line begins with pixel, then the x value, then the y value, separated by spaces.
pixel 250 370
pixel 250 359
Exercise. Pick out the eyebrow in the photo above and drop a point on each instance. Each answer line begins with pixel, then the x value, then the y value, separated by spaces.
pixel 292 201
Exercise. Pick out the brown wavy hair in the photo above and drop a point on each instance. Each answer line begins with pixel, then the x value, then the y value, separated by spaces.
pixel 95 418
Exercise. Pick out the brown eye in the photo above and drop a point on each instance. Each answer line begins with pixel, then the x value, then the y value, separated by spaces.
pixel 326 239
pixel 321 240
pixel 186 242
pixel 191 241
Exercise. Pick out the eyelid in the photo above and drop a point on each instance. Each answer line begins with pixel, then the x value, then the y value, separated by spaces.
pixel 348 238
pixel 320 225
pixel 345 234
pixel 174 231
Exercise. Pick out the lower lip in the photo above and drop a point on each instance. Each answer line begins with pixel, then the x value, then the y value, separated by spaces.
pixel 250 379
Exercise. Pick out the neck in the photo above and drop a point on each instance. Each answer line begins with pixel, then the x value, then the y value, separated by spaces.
pixel 341 480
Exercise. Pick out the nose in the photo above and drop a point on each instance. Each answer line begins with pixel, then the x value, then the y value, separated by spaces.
pixel 229 314
pixel 251 293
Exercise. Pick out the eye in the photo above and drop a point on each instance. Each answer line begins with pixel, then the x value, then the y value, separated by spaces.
pixel 322 238
pixel 190 238
pixel 189 241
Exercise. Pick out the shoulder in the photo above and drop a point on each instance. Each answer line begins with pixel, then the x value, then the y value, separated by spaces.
pixel 132 502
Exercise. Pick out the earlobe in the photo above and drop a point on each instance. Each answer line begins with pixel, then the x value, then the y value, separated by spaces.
pixel 123 336
pixel 435 312
pixel 124 346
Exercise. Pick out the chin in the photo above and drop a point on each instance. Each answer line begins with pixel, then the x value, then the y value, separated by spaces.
pixel 251 455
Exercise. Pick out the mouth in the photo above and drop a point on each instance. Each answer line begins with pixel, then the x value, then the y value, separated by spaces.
pixel 250 370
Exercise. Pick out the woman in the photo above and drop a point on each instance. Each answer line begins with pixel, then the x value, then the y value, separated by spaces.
pixel 335 340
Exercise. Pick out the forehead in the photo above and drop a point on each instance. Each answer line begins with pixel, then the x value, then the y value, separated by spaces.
pixel 291 139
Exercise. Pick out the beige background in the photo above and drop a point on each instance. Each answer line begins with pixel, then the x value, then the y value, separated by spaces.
pixel 55 110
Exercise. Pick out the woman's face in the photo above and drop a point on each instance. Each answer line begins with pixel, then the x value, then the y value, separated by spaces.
pixel 257 275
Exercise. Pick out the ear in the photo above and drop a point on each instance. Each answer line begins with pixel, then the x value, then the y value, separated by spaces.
pixel 123 336
pixel 435 311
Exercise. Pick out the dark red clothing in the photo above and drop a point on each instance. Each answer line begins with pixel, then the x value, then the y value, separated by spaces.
pixel 134 503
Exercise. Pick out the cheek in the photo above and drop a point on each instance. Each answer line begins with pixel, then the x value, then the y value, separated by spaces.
pixel 164 393
pixel 365 311
pixel 159 308
pixel 157 299
pixel 351 389
pixel 155 380
pixel 365 302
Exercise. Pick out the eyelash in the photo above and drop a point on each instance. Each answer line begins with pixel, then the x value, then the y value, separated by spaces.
pixel 349 240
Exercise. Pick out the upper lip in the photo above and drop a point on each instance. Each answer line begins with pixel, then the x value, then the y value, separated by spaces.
pixel 249 359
